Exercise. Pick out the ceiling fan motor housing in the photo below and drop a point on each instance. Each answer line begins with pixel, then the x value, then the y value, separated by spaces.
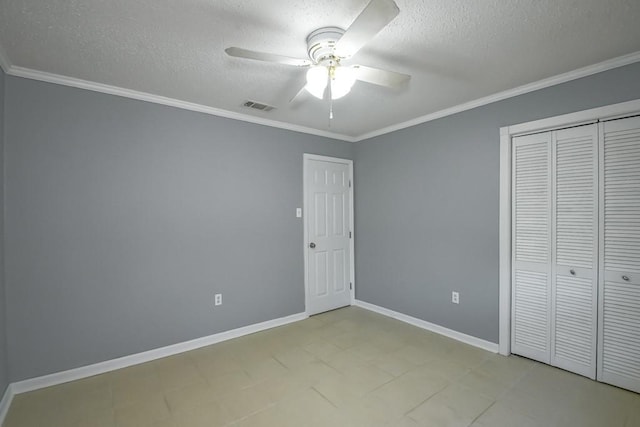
pixel 321 44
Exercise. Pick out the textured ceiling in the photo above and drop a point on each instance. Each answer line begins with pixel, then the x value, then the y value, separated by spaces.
pixel 457 51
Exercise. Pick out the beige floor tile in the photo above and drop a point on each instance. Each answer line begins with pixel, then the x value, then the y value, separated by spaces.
pixel 632 418
pixel 177 371
pixel 104 418
pixel 245 402
pixel 344 361
pixel 349 367
pixel 229 382
pixel 454 405
pixel 366 378
pixel 142 413
pixel 505 371
pixel 368 411
pixel 402 422
pixel 212 414
pixel 444 367
pixel 590 418
pixel 168 422
pixel 484 383
pixel 343 340
pixel 190 396
pixel 283 387
pixel 293 357
pixel 308 408
pixel 365 351
pixel 262 369
pixel 212 365
pixel 392 364
pixel 274 416
pixel 339 391
pixel 437 414
pixel 126 389
pixel 418 355
pixel 539 407
pixel 501 415
pixel 408 391
pixel 386 342
pixel 315 371
pixel 322 349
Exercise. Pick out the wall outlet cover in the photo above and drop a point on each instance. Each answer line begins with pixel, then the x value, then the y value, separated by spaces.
pixel 455 297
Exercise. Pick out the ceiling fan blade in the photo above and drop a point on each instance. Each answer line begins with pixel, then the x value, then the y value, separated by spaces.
pixel 267 57
pixel 371 20
pixel 298 98
pixel 380 77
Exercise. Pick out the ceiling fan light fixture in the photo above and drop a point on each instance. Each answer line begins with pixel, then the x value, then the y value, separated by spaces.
pixel 342 80
pixel 317 81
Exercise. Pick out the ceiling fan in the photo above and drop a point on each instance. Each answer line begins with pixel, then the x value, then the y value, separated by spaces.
pixel 327 47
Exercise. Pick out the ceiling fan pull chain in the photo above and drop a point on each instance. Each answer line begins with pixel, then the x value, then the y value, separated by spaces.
pixel 330 96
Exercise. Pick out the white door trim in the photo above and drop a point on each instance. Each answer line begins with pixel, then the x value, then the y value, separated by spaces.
pixel 352 278
pixel 506 134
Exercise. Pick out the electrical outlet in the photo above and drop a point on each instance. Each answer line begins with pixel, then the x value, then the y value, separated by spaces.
pixel 218 299
pixel 455 297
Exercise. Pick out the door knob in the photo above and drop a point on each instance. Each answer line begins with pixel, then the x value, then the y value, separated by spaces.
pixel 312 245
pixel 573 272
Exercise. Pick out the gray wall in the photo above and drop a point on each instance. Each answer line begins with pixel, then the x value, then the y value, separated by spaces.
pixel 3 326
pixel 124 218
pixel 426 204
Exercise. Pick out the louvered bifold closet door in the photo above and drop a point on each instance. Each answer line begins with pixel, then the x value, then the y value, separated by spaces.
pixel 619 326
pixel 531 285
pixel 574 285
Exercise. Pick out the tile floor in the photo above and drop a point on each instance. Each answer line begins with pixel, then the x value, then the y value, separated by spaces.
pixel 349 367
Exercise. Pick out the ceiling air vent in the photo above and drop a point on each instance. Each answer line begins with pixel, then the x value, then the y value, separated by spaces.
pixel 258 106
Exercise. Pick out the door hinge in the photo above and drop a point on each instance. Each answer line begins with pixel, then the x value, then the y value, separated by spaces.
pixel 349 183
pixel 349 234
pixel 350 285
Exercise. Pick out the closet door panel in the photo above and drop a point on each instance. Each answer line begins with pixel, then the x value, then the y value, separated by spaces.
pixel 619 329
pixel 575 250
pixel 530 334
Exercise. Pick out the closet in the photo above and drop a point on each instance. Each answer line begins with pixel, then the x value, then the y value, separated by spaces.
pixel 576 249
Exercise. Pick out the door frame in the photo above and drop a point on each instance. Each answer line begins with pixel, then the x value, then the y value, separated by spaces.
pixel 507 133
pixel 352 278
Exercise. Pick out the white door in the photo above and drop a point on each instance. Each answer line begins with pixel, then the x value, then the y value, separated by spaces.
pixel 328 222
pixel 555 254
pixel 531 275
pixel 619 322
pixel 574 284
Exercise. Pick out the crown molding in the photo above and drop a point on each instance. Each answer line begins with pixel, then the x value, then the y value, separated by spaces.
pixel 540 84
pixel 171 102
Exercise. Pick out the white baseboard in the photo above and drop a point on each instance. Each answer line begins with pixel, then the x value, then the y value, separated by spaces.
pixel 5 403
pixel 459 336
pixel 147 356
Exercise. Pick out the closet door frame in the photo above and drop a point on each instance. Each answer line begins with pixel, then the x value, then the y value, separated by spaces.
pixel 505 229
